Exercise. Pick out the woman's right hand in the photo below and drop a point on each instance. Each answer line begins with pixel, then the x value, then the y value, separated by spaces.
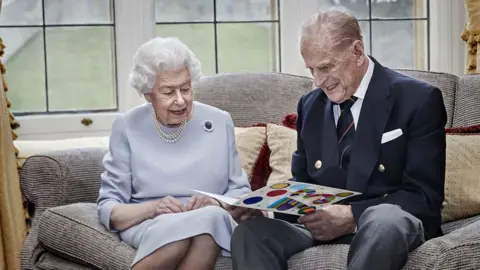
pixel 167 205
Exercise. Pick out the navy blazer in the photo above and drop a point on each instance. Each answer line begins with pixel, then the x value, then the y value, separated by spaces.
pixel 408 171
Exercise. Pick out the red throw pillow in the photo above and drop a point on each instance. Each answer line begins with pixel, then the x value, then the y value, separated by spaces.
pixel 464 130
pixel 290 120
pixel 261 169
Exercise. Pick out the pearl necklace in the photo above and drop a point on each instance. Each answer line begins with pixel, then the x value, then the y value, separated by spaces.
pixel 169 138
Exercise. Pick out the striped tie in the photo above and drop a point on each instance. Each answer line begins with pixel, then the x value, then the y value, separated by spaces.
pixel 345 132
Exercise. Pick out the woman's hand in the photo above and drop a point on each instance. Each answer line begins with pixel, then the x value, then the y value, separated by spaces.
pixel 199 201
pixel 167 205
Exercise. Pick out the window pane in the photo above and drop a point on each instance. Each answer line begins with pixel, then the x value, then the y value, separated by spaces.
pixel 247 47
pixel 200 39
pixel 24 61
pixel 358 8
pixel 21 12
pixel 400 44
pixel 77 12
pixel 183 10
pixel 80 64
pixel 246 10
pixel 399 9
pixel 365 27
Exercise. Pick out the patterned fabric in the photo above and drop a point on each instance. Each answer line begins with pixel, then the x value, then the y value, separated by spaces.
pixel 249 142
pixel 282 142
pixel 345 132
pixel 462 184
pixel 468 96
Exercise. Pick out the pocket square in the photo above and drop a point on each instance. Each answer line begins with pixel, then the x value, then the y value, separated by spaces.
pixel 391 135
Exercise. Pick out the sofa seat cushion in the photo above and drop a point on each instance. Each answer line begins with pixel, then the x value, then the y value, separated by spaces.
pixel 74 232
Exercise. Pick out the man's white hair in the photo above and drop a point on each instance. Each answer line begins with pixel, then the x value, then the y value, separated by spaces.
pixel 161 55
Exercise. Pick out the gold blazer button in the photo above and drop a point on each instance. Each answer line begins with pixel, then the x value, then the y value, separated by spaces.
pixel 381 168
pixel 318 164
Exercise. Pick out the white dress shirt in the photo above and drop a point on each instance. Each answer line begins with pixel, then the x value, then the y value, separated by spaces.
pixel 360 94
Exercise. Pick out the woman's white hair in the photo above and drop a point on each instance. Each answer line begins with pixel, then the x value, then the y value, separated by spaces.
pixel 161 55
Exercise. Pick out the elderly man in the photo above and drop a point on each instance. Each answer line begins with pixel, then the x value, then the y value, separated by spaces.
pixel 365 128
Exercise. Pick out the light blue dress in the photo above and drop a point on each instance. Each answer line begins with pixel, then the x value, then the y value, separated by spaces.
pixel 141 166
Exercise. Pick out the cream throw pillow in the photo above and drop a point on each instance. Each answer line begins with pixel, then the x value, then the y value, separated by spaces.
pixel 462 177
pixel 249 142
pixel 282 142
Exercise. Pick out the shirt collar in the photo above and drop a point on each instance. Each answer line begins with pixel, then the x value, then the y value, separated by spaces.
pixel 362 88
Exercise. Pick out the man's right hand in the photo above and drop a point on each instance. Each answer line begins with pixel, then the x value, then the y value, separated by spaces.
pixel 167 205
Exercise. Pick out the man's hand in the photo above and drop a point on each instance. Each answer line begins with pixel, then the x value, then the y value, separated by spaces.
pixel 241 213
pixel 330 222
pixel 199 201
pixel 167 205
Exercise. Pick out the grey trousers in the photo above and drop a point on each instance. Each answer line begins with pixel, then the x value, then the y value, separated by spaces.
pixel 385 237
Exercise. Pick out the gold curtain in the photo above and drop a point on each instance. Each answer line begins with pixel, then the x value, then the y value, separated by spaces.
pixel 471 34
pixel 12 216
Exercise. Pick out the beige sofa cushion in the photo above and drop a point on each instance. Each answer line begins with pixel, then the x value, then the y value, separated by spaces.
pixel 462 179
pixel 249 142
pixel 282 142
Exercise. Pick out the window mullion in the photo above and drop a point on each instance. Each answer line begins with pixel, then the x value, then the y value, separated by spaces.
pixel 135 24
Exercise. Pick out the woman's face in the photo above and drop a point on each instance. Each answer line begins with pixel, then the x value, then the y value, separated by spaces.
pixel 172 97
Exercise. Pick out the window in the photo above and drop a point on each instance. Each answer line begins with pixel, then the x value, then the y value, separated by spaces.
pixel 60 55
pixel 396 32
pixel 226 35
pixel 63 57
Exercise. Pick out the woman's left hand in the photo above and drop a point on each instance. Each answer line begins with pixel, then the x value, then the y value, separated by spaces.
pixel 199 201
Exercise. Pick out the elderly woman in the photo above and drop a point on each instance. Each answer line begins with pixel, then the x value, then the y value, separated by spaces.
pixel 159 153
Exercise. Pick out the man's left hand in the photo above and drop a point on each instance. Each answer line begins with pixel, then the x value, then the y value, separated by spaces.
pixel 199 201
pixel 330 222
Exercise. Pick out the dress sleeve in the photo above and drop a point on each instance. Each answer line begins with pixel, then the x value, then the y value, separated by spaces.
pixel 238 183
pixel 116 181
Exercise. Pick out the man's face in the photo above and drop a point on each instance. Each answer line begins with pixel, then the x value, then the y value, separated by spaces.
pixel 337 71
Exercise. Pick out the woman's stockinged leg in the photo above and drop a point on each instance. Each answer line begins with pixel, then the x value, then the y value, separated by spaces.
pixel 202 255
pixel 167 257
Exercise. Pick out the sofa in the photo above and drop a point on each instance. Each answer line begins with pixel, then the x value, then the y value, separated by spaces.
pixel 61 183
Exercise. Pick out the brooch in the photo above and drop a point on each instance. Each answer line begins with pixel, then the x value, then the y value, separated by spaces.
pixel 208 126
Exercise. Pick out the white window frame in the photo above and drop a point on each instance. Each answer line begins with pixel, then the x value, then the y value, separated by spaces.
pixel 135 24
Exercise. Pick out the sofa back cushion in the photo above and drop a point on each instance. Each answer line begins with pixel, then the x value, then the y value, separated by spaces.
pixel 467 101
pixel 447 83
pixel 253 98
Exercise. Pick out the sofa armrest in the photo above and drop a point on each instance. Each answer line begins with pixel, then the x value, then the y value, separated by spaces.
pixel 459 249
pixel 62 177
